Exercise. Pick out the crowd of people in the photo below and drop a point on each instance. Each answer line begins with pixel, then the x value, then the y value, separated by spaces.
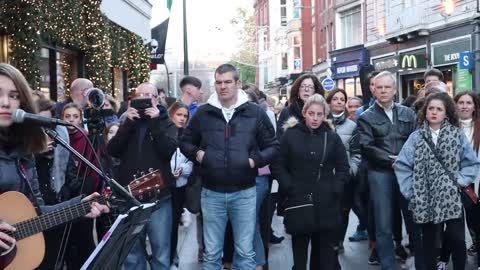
pixel 234 161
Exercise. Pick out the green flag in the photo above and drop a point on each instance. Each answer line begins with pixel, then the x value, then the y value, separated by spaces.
pixel 169 4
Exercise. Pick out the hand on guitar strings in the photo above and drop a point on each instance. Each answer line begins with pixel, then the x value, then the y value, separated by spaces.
pixel 96 208
pixel 5 240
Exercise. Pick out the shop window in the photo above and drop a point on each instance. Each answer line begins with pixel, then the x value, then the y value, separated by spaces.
pixel 350 86
pixel 340 84
pixel 351 27
pixel 60 65
pixel 4 48
pixel 118 85
pixel 45 71
pixel 66 72
pixel 358 87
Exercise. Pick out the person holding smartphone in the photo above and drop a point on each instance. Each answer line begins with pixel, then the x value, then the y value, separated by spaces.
pixel 147 140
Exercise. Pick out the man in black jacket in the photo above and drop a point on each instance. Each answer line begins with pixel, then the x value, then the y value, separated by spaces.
pixel 148 140
pixel 383 130
pixel 230 138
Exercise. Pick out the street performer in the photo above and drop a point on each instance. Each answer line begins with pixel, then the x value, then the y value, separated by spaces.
pixel 18 144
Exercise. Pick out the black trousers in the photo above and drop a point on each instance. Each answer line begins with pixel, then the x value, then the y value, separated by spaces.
pixel 178 200
pixel 322 257
pixel 454 233
pixel 351 200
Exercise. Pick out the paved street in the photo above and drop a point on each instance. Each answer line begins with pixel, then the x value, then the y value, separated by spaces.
pixel 355 257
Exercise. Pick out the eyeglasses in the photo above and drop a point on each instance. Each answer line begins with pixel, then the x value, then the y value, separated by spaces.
pixel 145 95
pixel 307 87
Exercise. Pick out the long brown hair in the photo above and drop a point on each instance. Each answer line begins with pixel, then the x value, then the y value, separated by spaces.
pixel 31 138
pixel 475 116
pixel 296 87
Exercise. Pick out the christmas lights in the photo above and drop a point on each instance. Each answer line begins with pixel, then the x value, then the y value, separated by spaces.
pixel 72 24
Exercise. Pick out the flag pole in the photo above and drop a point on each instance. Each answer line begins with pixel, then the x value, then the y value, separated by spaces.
pixel 185 42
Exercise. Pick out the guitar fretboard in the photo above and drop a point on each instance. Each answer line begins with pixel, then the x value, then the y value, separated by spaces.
pixel 52 219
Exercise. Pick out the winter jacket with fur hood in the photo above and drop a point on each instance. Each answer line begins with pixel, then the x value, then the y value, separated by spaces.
pixel 299 171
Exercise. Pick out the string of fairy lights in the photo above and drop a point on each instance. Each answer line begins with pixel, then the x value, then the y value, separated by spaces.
pixel 73 24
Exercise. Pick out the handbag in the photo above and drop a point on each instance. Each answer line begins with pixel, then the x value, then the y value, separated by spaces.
pixel 467 194
pixel 299 212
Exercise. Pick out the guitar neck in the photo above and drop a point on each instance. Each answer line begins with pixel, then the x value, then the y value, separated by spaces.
pixel 52 219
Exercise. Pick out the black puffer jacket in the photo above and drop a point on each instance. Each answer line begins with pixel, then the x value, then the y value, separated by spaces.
pixel 228 146
pixel 298 167
pixel 154 150
pixel 379 138
pixel 292 110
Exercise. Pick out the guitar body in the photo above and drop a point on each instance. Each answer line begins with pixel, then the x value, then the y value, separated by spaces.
pixel 29 252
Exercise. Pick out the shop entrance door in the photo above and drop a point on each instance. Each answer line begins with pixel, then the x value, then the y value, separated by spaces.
pixel 411 84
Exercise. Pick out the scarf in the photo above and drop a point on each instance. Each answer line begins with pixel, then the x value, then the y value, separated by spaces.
pixel 435 196
pixel 337 119
pixel 79 143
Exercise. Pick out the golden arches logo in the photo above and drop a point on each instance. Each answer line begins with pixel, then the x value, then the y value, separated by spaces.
pixel 410 61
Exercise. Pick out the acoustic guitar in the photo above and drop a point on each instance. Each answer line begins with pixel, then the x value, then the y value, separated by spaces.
pixel 17 210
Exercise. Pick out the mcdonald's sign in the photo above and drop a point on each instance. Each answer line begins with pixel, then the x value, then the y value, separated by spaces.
pixel 413 60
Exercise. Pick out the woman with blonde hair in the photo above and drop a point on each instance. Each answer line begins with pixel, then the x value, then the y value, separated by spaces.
pixel 311 170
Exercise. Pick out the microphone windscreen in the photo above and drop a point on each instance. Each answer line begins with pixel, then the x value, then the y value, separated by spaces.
pixel 18 116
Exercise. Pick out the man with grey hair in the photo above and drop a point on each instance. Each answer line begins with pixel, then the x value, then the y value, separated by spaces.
pixel 147 139
pixel 77 94
pixel 383 130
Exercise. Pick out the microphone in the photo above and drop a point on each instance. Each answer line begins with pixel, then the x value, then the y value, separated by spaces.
pixel 19 116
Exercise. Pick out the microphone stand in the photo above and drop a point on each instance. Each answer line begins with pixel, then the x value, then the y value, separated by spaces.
pixel 114 185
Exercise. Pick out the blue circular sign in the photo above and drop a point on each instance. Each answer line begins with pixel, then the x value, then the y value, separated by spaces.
pixel 328 84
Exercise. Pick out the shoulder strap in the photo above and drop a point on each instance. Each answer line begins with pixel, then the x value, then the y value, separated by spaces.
pixel 323 156
pixel 440 160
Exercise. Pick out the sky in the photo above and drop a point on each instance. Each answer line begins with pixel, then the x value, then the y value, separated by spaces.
pixel 210 33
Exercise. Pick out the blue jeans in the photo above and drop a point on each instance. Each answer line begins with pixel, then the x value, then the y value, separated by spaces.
pixel 384 191
pixel 239 208
pixel 159 230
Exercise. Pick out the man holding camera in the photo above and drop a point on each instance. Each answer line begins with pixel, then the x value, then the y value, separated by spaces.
pixel 147 140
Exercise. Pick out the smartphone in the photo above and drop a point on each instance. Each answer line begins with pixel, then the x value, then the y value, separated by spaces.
pixel 141 105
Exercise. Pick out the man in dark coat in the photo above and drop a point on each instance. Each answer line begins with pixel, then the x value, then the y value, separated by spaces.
pixel 230 138
pixel 383 129
pixel 148 140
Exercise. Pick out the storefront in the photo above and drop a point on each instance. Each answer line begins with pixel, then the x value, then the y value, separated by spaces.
pixel 63 65
pixel 445 57
pixel 385 63
pixel 346 68
pixel 86 44
pixel 412 64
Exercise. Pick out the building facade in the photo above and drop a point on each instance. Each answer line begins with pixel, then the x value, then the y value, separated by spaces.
pixel 408 37
pixel 55 42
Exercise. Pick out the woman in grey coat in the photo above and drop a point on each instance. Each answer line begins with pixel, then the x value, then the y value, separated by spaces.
pixel 346 129
pixel 436 159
